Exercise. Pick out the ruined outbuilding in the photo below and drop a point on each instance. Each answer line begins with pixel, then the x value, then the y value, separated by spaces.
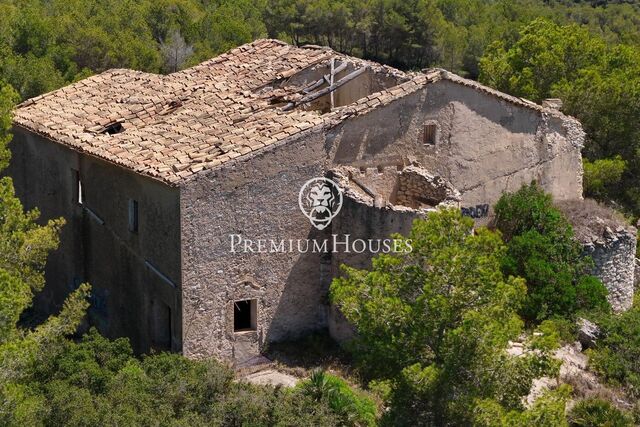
pixel 611 243
pixel 156 174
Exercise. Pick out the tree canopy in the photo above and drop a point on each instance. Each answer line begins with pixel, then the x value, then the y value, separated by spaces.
pixel 433 324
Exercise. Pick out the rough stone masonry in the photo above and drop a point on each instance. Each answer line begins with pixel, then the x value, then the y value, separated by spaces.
pixel 154 174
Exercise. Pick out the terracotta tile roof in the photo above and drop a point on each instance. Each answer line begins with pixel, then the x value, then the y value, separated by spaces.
pixel 171 127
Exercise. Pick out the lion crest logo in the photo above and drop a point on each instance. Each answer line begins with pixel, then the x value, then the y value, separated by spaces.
pixel 320 200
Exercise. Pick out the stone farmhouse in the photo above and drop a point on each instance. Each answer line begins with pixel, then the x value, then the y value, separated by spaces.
pixel 156 175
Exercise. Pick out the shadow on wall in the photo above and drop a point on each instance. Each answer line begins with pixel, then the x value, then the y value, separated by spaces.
pixel 302 304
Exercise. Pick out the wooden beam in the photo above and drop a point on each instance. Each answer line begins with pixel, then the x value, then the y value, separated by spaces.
pixel 325 79
pixel 346 79
pixel 331 79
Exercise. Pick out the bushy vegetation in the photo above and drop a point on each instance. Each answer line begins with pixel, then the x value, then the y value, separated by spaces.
pixel 617 355
pixel 352 408
pixel 596 413
pixel 433 325
pixel 541 248
pixel 99 382
pixel 547 411
pixel 603 176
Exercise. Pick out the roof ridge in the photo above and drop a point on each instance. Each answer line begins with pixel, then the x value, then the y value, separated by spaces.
pixel 523 102
pixel 170 127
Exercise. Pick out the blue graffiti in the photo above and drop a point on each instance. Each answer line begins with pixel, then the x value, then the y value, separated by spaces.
pixel 477 211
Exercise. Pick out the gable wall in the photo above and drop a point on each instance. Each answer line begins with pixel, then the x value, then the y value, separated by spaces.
pixel 485 145
pixel 256 198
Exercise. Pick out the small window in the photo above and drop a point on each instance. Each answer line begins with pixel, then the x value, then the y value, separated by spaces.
pixel 133 216
pixel 429 134
pixel 79 194
pixel 245 315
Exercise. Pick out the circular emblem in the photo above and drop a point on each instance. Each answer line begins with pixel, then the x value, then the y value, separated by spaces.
pixel 320 200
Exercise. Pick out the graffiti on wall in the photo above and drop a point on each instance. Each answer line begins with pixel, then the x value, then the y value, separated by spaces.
pixel 477 211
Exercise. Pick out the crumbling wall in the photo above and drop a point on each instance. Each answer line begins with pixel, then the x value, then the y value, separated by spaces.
pixel 611 242
pixel 419 189
pixel 384 186
pixel 614 256
pixel 360 220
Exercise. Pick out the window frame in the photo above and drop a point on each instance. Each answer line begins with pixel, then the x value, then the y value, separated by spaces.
pixel 430 133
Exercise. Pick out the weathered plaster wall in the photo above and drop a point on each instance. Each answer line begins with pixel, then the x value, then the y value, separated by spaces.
pixel 96 244
pixel 257 198
pixel 484 145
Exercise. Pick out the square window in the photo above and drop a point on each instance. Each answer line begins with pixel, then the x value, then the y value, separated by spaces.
pixel 245 315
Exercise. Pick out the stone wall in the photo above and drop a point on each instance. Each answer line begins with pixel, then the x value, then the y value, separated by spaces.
pixel 135 276
pixel 255 198
pixel 611 242
pixel 419 189
pixel 614 255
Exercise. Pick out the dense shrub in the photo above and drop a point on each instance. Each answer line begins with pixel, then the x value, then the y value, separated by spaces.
pixel 541 248
pixel 354 408
pixel 597 413
pixel 433 324
pixel 602 176
pixel 100 382
pixel 617 354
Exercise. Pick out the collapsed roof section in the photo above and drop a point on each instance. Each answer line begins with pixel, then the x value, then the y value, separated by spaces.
pixel 331 84
pixel 409 188
pixel 171 127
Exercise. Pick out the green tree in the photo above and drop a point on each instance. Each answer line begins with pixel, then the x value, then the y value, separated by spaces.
pixel 24 246
pixel 433 324
pixel 603 176
pixel 617 354
pixel 542 250
pixel 544 57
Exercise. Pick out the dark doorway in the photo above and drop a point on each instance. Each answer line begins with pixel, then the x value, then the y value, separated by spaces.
pixel 161 326
pixel 244 315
